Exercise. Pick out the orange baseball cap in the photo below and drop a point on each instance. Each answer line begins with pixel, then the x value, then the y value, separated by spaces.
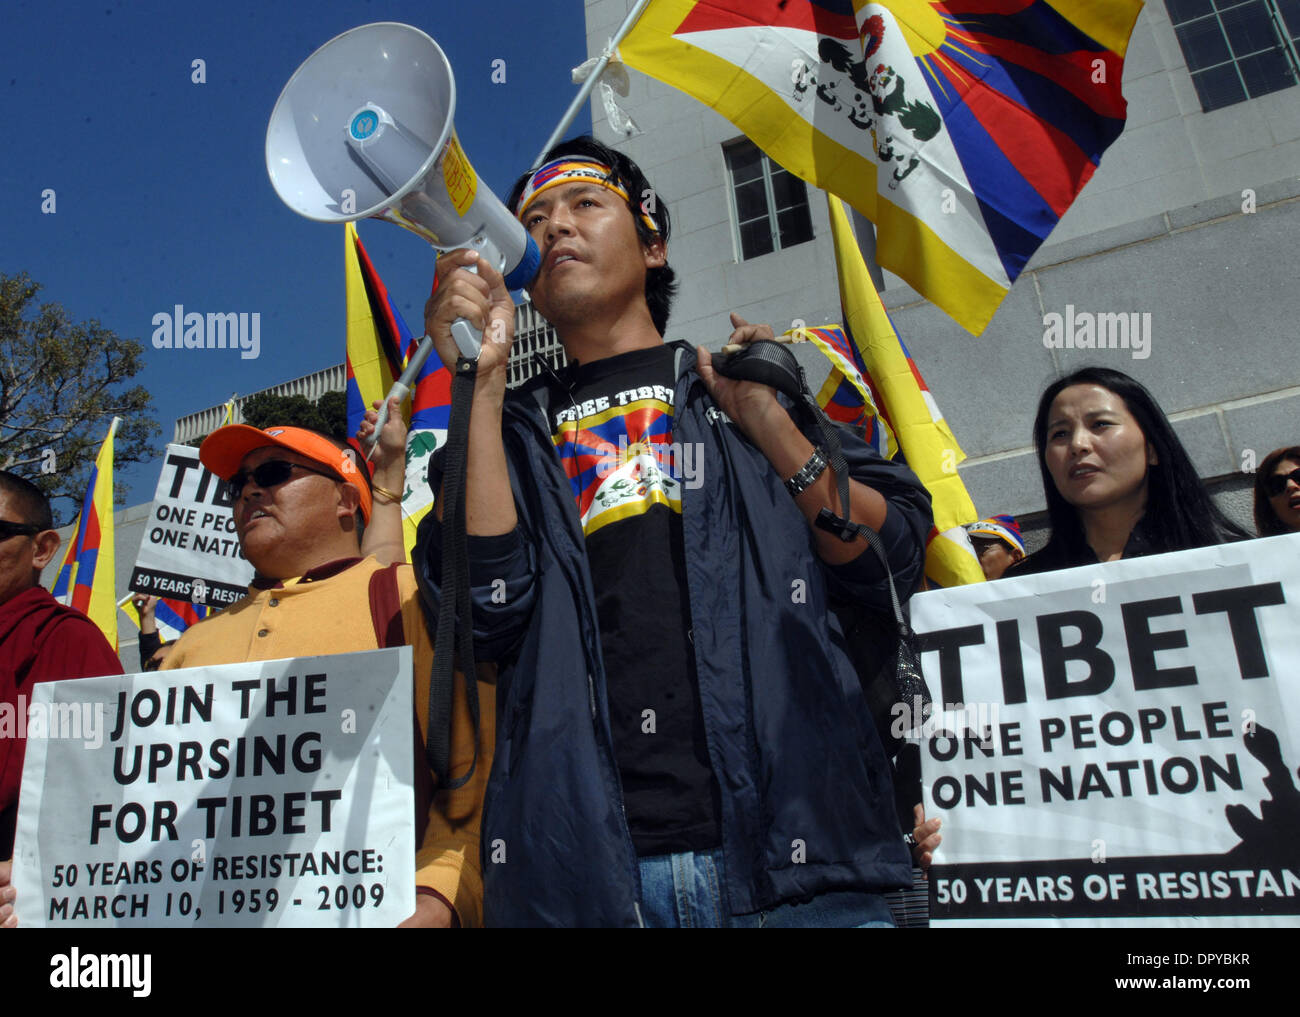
pixel 224 449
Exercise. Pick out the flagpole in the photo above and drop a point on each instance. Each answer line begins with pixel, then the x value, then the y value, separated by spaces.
pixel 585 91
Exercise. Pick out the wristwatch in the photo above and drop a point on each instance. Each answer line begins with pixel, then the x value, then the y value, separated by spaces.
pixel 808 473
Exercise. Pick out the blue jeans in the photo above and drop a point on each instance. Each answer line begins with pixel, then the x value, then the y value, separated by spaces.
pixel 685 891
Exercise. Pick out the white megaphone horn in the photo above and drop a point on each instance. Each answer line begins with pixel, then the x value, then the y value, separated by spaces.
pixel 364 129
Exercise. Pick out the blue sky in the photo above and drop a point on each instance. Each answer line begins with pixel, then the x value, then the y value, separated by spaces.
pixel 160 183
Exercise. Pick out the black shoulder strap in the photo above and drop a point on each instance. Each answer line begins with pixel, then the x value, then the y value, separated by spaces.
pixel 454 636
pixel 772 363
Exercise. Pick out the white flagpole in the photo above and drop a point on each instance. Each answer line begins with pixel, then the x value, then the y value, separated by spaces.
pixel 590 83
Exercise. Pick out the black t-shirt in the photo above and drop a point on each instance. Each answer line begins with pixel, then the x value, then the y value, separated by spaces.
pixel 1055 555
pixel 613 430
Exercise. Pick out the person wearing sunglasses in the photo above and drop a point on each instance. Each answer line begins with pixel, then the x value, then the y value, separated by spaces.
pixel 1277 493
pixel 40 640
pixel 300 504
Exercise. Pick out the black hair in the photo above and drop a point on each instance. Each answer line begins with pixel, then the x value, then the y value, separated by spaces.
pixel 1267 524
pixel 660 283
pixel 29 499
pixel 1180 514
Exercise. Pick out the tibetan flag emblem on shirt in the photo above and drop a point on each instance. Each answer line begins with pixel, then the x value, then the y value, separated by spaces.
pixel 621 460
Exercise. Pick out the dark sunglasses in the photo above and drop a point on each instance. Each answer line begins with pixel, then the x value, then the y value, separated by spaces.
pixel 1276 484
pixel 8 529
pixel 269 474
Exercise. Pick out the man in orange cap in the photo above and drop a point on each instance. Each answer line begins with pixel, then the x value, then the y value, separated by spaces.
pixel 300 504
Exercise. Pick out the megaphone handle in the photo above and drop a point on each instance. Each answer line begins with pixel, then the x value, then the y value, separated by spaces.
pixel 469 340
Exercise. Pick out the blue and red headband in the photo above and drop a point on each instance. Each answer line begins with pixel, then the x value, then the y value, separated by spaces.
pixel 568 170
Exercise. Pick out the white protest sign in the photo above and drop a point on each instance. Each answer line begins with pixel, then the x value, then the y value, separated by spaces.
pixel 274 793
pixel 1120 741
pixel 190 550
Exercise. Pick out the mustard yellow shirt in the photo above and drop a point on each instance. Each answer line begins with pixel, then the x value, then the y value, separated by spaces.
pixel 313 616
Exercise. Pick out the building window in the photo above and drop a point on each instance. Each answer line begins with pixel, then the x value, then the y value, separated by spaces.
pixel 534 337
pixel 771 204
pixel 1237 49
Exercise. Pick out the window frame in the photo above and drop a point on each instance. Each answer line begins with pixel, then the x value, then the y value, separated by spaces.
pixel 770 209
pixel 1284 41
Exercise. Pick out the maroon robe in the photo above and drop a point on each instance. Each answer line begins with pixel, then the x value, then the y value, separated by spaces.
pixel 40 641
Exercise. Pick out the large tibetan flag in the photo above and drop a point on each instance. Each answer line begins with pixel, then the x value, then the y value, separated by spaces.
pixel 379 346
pixel 926 441
pixel 86 577
pixel 962 129
pixel 172 616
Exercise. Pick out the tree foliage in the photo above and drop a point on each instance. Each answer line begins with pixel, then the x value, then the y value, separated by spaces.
pixel 328 413
pixel 61 384
pixel 335 407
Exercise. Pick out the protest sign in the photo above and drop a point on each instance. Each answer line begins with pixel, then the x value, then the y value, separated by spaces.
pixel 273 793
pixel 190 550
pixel 1117 742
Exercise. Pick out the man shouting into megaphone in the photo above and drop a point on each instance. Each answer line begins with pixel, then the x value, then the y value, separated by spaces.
pixel 680 739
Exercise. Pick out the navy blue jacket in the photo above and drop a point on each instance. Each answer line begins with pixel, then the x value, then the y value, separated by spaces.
pixel 807 802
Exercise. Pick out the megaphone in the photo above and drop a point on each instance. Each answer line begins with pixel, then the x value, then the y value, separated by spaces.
pixel 364 129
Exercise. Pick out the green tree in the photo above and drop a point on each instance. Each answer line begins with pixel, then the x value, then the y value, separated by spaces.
pixel 334 405
pixel 328 414
pixel 61 384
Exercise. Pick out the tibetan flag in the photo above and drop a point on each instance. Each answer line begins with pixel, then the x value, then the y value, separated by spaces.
pixel 376 332
pixel 923 435
pixel 430 414
pixel 86 577
pixel 172 616
pixel 962 129
pixel 847 395
pixel 379 346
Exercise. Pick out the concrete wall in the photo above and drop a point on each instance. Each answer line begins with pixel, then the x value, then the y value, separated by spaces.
pixel 1165 227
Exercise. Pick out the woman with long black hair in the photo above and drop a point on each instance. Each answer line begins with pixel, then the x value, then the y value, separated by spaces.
pixel 1118 482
